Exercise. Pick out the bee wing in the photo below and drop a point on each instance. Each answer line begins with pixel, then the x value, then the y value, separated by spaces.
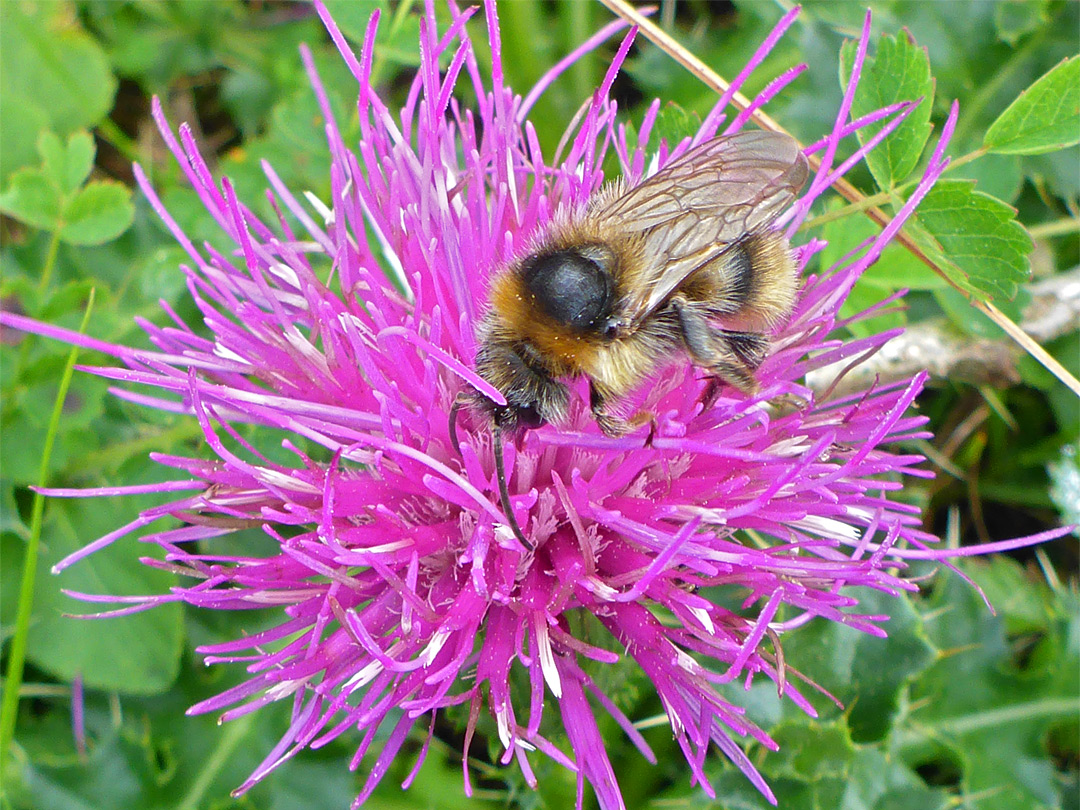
pixel 700 205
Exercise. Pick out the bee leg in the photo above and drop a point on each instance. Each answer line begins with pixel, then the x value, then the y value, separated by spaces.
pixel 750 347
pixel 614 426
pixel 710 394
pixel 460 401
pixel 711 348
pixel 611 426
pixel 645 418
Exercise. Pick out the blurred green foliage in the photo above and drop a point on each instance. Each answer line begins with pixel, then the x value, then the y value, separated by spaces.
pixel 960 707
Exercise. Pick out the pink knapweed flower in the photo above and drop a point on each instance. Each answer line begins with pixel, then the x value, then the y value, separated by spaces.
pixel 401 590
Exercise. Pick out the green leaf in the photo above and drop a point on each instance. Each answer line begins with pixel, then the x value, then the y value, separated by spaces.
pixel 899 71
pixel 97 213
pixel 50 198
pixel 990 699
pixel 137 654
pixel 876 781
pixel 53 157
pixel 863 672
pixel 974 237
pixel 812 750
pixel 897 268
pixel 1065 486
pixel 147 755
pixel 67 165
pixel 44 55
pixel 23 120
pixel 1000 176
pixel 673 123
pixel 1014 19
pixel 28 415
pixel 1043 118
pixel 32 199
pixel 1024 605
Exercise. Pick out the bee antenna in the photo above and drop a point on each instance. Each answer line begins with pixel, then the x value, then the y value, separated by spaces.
pixel 459 401
pixel 504 493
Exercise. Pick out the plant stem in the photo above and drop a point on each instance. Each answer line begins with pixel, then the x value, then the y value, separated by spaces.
pixel 989 89
pixel 1060 227
pixel 111 133
pixel 50 262
pixel 874 200
pixel 9 709
pixel 211 767
pixel 840 213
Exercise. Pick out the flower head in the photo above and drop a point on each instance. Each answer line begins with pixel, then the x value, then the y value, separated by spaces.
pixel 401 590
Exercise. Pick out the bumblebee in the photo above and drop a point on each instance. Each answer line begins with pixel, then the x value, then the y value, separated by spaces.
pixel 684 262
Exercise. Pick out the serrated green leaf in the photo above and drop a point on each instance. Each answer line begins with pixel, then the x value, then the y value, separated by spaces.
pixel 989 708
pixel 1014 19
pixel 97 213
pixel 812 750
pixel 975 237
pixel 863 672
pixel 67 165
pixel 43 55
pixel 32 199
pixel 876 781
pixel 1000 176
pixel 1043 118
pixel 899 71
pixel 913 798
pixel 897 268
pixel 1016 593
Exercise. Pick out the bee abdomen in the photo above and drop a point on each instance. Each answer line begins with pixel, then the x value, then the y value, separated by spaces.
pixel 755 282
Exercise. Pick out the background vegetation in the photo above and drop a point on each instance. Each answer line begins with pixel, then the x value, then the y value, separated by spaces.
pixel 958 708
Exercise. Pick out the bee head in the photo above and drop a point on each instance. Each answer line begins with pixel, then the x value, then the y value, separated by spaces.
pixel 509 418
pixel 533 395
pixel 573 287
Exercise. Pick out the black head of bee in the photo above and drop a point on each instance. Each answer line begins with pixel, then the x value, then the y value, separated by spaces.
pixel 573 287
